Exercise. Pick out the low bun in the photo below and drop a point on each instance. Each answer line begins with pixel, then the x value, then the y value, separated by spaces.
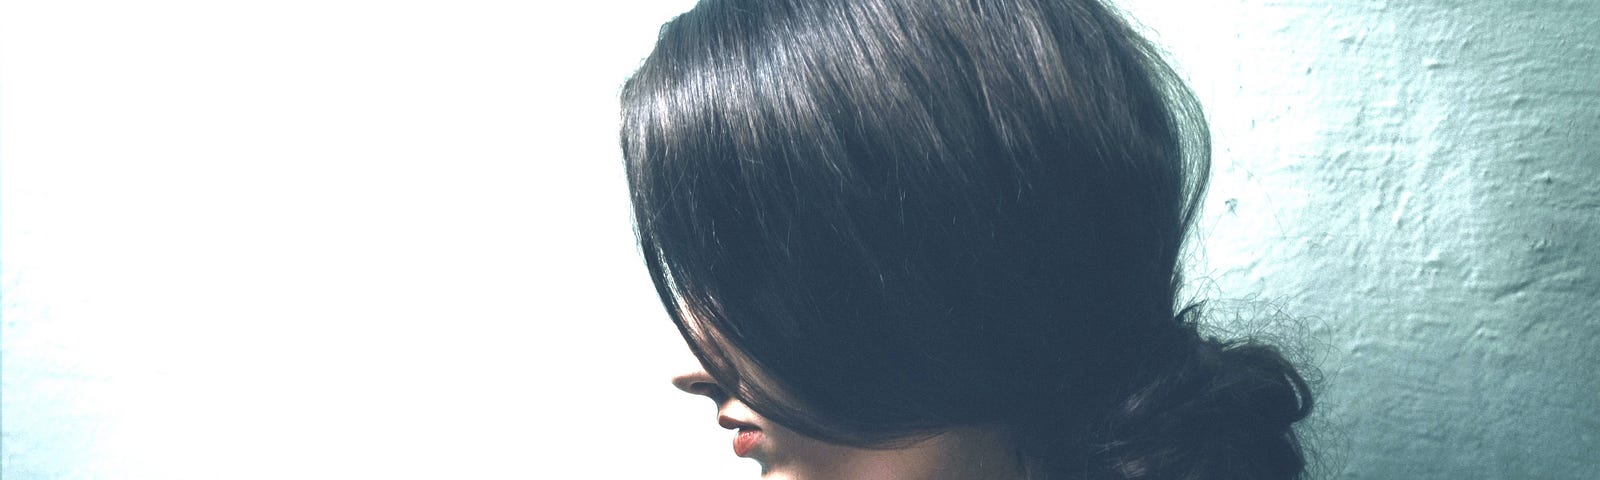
pixel 1222 410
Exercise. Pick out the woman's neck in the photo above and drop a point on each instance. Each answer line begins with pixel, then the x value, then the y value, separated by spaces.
pixel 965 453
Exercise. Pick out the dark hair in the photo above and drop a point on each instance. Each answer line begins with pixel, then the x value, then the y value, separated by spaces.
pixel 876 219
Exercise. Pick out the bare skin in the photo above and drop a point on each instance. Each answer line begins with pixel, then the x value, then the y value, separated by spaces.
pixel 964 453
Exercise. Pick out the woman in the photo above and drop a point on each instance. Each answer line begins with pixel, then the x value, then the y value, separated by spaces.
pixel 939 239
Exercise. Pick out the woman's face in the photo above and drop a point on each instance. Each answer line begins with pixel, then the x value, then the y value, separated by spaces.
pixel 962 453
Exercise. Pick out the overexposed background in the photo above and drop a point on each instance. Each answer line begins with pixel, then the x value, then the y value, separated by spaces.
pixel 359 239
pixel 330 239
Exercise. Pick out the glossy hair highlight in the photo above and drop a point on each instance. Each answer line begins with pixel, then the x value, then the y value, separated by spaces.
pixel 876 219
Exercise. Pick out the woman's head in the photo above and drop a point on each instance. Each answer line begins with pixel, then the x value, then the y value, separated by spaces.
pixel 875 221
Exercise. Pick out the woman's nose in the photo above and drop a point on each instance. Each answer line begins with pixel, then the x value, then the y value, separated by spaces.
pixel 699 382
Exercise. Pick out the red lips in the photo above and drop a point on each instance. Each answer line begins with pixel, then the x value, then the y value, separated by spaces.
pixel 745 441
pixel 747 438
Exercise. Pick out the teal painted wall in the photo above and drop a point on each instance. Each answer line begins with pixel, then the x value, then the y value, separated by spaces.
pixel 1419 183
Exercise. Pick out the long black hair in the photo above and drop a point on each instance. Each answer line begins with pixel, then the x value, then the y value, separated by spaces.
pixel 876 219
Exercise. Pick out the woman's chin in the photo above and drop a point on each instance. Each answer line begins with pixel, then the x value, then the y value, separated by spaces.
pixel 769 474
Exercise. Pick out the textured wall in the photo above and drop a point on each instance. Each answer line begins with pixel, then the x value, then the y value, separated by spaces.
pixel 1420 182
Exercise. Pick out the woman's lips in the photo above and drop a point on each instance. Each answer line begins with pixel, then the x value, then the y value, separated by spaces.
pixel 748 435
pixel 746 440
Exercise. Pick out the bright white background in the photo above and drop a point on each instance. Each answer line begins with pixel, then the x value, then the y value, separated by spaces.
pixel 330 239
